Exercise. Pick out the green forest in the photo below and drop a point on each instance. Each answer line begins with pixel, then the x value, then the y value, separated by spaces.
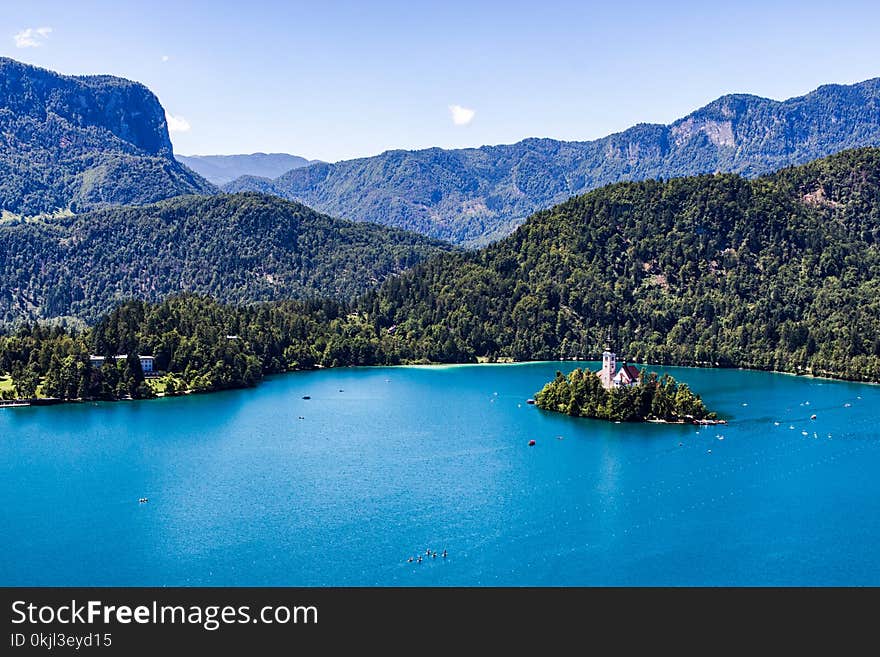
pixel 581 394
pixel 199 345
pixel 778 273
pixel 237 248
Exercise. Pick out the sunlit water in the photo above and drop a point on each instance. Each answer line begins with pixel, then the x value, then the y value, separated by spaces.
pixel 262 487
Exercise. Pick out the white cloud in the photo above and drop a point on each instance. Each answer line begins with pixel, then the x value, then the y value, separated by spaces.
pixel 32 37
pixel 461 115
pixel 165 58
pixel 177 123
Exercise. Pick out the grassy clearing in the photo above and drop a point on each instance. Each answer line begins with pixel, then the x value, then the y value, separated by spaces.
pixel 6 384
pixel 160 385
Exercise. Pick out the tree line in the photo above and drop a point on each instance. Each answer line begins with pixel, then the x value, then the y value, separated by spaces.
pixel 197 343
pixel 779 273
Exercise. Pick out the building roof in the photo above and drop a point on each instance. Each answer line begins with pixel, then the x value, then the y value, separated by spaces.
pixel 630 371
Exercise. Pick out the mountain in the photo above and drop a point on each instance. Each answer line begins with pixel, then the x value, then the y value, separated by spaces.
pixel 237 248
pixel 221 169
pixel 473 196
pixel 79 143
pixel 780 272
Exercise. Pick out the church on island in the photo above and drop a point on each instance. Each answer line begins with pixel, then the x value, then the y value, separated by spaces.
pixel 611 377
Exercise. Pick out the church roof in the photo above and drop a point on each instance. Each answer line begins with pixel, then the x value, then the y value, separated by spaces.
pixel 627 373
pixel 631 371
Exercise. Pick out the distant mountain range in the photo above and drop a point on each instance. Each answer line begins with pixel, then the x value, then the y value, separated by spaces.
pixel 76 144
pixel 221 169
pixel 79 143
pixel 238 248
pixel 476 195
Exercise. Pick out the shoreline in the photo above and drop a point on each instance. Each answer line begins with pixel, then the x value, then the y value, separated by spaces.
pixel 692 422
pixel 52 401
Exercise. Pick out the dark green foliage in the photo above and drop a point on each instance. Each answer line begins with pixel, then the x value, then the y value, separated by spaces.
pixel 476 195
pixel 581 394
pixel 26 381
pixel 77 143
pixel 237 248
pixel 781 273
pixel 206 345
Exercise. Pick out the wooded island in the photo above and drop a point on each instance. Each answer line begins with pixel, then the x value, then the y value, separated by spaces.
pixel 652 398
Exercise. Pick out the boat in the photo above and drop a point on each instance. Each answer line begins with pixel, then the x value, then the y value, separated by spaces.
pixel 813 416
pixel 306 397
pixel 530 401
pixel 532 443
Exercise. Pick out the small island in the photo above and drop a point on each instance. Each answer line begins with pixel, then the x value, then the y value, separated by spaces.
pixel 627 395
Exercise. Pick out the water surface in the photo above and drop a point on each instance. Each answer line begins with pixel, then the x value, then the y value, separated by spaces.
pixel 262 487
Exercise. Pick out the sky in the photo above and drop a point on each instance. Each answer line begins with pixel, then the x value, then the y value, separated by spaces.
pixel 334 80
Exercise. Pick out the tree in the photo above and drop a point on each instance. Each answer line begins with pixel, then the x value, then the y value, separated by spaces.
pixel 133 375
pixel 170 388
pixel 25 382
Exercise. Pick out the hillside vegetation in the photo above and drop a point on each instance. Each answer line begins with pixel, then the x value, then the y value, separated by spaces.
pixel 236 248
pixel 79 143
pixel 780 272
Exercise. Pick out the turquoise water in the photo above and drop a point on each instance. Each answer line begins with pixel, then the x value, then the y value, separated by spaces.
pixel 388 462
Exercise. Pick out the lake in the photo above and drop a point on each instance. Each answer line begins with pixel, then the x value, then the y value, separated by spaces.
pixel 263 487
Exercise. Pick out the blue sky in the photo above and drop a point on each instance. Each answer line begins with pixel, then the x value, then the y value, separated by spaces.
pixel 333 80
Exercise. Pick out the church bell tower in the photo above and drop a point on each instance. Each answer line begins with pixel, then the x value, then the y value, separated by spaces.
pixel 609 367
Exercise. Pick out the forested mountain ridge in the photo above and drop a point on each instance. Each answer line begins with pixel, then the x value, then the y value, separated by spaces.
pixel 236 248
pixel 473 196
pixel 78 143
pixel 780 272
pixel 221 169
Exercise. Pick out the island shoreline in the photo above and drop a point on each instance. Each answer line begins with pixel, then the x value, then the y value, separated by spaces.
pixel 50 401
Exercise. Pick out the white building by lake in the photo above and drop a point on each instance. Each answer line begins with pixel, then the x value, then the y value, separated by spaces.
pixel 611 377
